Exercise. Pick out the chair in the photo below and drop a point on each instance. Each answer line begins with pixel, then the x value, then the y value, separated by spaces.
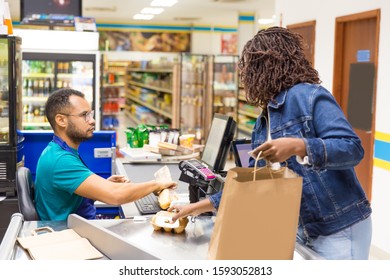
pixel 25 191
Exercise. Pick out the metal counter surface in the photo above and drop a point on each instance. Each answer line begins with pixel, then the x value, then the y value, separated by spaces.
pixel 190 245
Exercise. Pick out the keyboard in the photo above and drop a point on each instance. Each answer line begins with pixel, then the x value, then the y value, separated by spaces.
pixel 148 204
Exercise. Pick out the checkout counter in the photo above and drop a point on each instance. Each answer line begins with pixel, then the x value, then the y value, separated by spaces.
pixel 131 237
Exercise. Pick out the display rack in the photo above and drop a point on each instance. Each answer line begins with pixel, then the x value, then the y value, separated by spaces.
pixel 195 115
pixel 112 93
pixel 152 94
pixel 225 85
pixel 247 115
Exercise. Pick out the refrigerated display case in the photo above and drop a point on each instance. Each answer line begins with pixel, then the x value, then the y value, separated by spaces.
pixel 194 117
pixel 44 72
pixel 11 143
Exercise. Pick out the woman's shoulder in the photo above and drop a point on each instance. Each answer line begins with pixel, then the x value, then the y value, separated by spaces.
pixel 307 90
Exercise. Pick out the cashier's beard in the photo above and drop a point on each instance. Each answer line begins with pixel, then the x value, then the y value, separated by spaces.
pixel 78 134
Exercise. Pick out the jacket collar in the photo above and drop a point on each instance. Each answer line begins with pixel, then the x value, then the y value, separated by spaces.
pixel 280 99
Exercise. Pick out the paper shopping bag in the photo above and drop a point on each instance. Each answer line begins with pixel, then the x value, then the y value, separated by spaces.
pixel 258 215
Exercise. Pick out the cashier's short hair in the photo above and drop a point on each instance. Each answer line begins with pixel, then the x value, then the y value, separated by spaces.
pixel 58 102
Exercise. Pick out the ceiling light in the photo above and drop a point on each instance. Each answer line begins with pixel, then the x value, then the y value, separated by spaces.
pixel 266 20
pixel 143 16
pixel 152 11
pixel 163 3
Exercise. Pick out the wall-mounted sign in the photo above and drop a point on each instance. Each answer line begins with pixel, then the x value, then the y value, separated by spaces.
pixel 363 55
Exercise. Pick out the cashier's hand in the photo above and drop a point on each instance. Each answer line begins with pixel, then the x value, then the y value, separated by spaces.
pixel 118 179
pixel 164 185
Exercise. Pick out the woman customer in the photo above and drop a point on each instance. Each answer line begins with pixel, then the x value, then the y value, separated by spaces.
pixel 302 125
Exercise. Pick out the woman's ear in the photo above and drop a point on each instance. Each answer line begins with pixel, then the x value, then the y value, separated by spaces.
pixel 61 120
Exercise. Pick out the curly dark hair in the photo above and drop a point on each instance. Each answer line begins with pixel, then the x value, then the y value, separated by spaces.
pixel 58 102
pixel 272 61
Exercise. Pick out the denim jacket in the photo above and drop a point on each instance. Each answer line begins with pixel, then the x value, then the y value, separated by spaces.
pixel 332 197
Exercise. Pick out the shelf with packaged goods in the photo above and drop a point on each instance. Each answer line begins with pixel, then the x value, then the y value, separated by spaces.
pixel 247 114
pixel 151 95
pixel 161 89
pixel 225 85
pixel 150 106
pixel 112 91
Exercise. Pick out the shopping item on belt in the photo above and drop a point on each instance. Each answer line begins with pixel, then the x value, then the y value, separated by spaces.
pixel 258 215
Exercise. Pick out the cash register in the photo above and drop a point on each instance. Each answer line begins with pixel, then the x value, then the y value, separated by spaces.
pixel 206 176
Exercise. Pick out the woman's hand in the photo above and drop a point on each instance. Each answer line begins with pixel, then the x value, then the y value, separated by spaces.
pixel 192 209
pixel 183 211
pixel 281 149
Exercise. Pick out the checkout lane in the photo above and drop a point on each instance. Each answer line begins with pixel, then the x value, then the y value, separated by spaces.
pixel 134 237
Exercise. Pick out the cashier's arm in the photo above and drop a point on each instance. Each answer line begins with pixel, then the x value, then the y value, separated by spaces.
pixel 98 188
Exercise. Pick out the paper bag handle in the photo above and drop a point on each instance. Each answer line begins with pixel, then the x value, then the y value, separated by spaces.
pixel 255 169
pixel 41 229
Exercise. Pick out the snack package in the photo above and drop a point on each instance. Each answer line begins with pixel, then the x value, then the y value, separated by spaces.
pixel 163 221
pixel 163 174
pixel 165 198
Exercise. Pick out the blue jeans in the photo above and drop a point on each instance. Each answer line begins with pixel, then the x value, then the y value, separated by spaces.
pixel 352 243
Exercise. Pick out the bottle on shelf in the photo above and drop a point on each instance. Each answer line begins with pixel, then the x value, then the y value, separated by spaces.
pixel 35 88
pixel 65 67
pixel 60 66
pixel 47 87
pixel 25 86
pixel 49 67
pixel 30 88
pixel 41 85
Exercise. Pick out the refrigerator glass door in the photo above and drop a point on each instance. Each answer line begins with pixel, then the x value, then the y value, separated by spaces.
pixel 77 75
pixel 38 82
pixel 4 93
pixel 42 74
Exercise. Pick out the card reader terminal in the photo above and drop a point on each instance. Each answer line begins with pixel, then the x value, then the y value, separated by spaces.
pixel 197 168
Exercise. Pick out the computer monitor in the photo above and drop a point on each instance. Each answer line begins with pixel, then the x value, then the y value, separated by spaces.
pixel 50 12
pixel 218 142
pixel 241 147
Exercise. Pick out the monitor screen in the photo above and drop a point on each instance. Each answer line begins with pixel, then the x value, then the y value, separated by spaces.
pixel 241 147
pixel 50 12
pixel 218 142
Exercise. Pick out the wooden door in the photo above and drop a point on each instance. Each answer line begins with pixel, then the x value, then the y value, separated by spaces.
pixel 308 31
pixel 354 81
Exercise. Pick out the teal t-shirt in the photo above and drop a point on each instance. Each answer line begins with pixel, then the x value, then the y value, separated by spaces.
pixel 59 173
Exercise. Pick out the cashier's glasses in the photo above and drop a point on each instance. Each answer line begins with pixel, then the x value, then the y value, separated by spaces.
pixel 86 115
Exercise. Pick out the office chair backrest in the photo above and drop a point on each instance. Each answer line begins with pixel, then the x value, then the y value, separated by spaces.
pixel 25 191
